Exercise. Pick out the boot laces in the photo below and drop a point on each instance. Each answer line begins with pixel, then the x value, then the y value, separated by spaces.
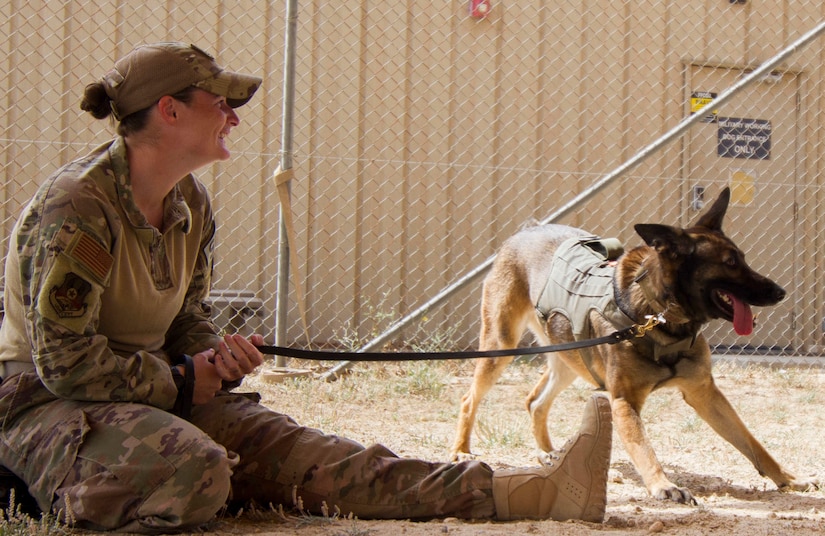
pixel 557 454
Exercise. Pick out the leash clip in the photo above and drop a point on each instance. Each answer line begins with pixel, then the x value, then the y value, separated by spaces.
pixel 652 322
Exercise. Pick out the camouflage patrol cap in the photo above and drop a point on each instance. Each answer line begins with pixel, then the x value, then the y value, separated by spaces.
pixel 151 71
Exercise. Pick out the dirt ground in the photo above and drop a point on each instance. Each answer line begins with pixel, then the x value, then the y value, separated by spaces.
pixel 412 409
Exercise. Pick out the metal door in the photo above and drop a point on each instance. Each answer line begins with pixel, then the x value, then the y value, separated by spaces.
pixel 750 145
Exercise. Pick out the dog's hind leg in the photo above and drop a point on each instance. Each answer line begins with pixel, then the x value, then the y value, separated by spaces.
pixel 487 373
pixel 505 310
pixel 556 378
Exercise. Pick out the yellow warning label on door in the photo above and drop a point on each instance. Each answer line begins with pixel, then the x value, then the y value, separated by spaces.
pixel 742 187
pixel 700 99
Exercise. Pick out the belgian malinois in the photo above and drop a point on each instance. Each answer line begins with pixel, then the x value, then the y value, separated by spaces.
pixel 682 278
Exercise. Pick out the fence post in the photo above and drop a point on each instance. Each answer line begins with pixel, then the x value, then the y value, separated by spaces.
pixel 282 292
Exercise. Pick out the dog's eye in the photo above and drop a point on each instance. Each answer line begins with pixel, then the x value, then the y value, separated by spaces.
pixel 731 261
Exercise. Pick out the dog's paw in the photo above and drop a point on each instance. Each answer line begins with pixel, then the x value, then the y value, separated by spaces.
pixel 547 458
pixel 676 494
pixel 803 484
pixel 462 456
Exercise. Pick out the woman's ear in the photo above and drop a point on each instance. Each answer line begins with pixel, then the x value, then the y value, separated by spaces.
pixel 168 108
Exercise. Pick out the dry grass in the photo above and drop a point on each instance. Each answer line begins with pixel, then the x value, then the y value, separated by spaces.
pixel 412 409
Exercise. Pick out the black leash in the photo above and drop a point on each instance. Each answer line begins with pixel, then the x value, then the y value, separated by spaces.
pixel 319 355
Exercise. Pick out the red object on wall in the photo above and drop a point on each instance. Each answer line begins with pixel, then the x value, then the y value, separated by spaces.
pixel 480 8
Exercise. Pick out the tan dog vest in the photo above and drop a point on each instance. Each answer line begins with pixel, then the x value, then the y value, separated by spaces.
pixel 581 280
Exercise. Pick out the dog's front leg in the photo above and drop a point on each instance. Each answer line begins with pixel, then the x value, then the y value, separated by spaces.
pixel 628 423
pixel 712 406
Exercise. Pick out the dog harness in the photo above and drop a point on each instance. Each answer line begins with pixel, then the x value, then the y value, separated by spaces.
pixel 581 281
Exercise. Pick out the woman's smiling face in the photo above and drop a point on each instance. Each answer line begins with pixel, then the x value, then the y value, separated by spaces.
pixel 208 119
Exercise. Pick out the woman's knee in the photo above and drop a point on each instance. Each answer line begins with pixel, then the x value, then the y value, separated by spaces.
pixel 160 473
pixel 154 497
pixel 198 489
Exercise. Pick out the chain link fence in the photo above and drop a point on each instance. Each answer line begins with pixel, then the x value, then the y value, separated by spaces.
pixel 426 133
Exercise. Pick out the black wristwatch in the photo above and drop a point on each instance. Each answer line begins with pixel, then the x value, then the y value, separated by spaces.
pixel 178 378
pixel 186 387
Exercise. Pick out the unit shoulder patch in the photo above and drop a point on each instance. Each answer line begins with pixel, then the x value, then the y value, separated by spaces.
pixel 69 295
pixel 68 299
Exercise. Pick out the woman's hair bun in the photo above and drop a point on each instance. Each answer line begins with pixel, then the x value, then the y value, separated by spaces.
pixel 96 101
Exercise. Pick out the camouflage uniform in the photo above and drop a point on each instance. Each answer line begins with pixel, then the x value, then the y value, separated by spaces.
pixel 98 304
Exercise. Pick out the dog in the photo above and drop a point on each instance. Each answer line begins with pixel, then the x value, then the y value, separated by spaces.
pixel 672 286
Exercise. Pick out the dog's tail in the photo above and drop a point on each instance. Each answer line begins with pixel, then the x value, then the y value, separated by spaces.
pixel 532 222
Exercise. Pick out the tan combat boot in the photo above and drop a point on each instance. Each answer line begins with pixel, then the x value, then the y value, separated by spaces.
pixel 572 487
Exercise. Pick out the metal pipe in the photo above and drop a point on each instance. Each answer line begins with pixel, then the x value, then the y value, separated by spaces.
pixel 589 192
pixel 282 289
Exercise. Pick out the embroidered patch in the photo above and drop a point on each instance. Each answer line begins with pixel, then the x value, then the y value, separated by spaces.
pixel 91 255
pixel 69 298
pixel 69 295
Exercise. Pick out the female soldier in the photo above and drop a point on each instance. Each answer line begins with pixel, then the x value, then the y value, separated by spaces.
pixel 107 418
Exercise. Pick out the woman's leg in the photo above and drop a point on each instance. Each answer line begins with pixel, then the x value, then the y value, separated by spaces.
pixel 281 461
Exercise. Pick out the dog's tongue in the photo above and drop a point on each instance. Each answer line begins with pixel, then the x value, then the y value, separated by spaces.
pixel 742 316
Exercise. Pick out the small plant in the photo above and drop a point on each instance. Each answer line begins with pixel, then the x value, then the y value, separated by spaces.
pixel 14 522
pixel 329 516
pixel 354 530
pixel 437 340
pixel 422 379
pixel 380 317
pixel 692 424
pixel 377 318
pixel 500 433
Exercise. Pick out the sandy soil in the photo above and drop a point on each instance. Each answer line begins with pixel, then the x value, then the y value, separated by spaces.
pixel 380 403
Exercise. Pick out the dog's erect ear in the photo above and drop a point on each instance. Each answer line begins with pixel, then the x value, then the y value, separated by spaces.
pixel 712 219
pixel 666 240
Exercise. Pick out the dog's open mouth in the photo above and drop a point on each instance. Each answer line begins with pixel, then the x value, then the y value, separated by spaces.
pixel 734 310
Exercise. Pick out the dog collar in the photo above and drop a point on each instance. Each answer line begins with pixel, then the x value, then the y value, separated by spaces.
pixel 671 311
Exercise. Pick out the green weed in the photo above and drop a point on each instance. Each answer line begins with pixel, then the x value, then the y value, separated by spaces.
pixel 500 433
pixel 14 522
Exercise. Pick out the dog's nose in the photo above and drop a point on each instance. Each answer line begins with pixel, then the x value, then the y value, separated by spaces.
pixel 778 293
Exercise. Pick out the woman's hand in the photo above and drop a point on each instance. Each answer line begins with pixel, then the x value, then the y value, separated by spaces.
pixel 237 356
pixel 234 358
pixel 207 380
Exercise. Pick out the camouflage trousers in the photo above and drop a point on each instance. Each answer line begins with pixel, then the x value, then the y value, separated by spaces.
pixel 136 468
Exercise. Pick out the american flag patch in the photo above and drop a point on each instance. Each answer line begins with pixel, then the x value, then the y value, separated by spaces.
pixel 91 255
